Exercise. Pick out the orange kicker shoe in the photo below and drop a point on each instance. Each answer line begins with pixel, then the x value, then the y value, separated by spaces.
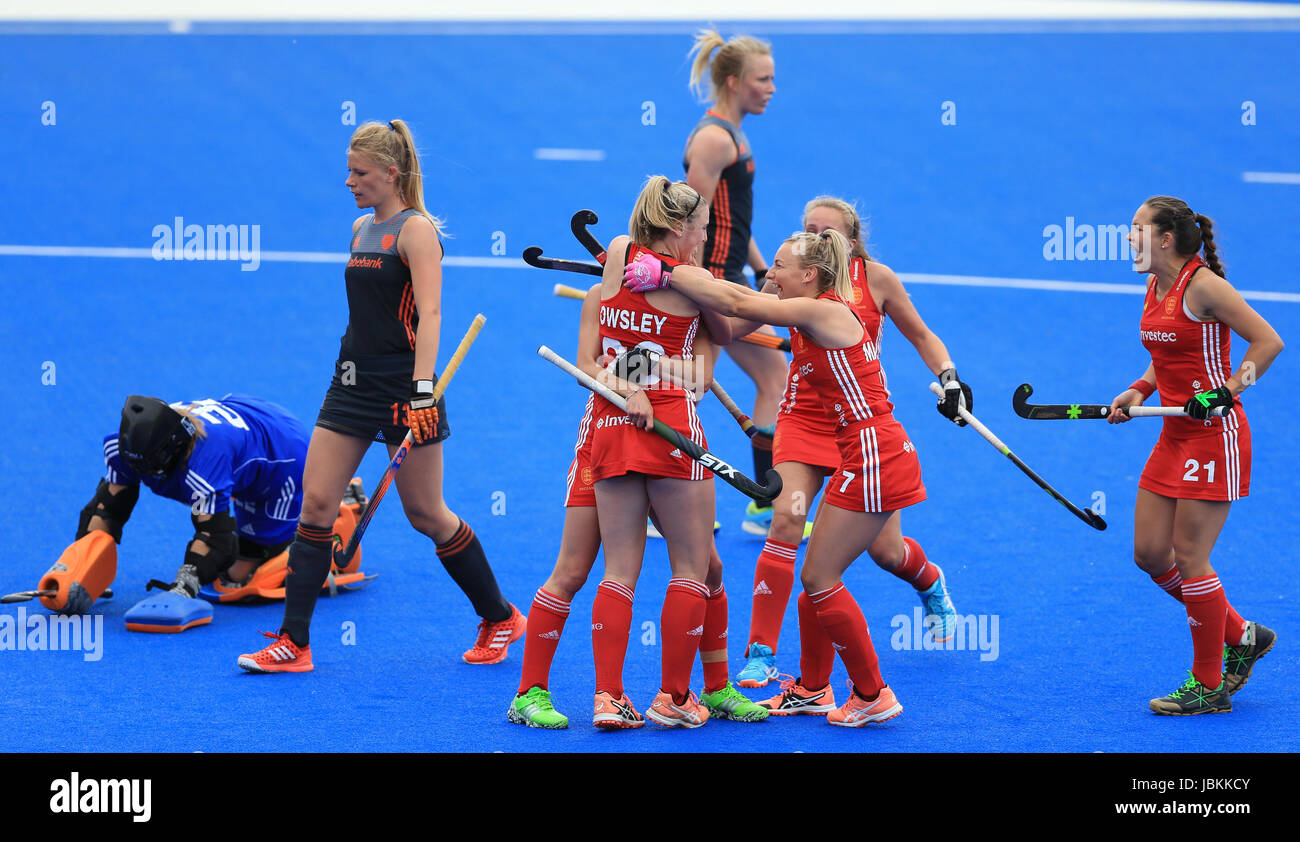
pixel 857 711
pixel 495 638
pixel 794 698
pixel 281 656
pixel 614 713
pixel 689 714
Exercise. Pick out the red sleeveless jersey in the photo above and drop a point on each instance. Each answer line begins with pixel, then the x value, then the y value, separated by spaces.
pixel 800 398
pixel 1189 355
pixel 629 321
pixel 848 381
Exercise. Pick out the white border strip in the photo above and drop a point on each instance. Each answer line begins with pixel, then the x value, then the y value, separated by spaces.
pixel 1271 177
pixel 517 263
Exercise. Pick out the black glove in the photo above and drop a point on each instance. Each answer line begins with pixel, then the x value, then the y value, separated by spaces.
pixel 1202 404
pixel 637 366
pixel 955 394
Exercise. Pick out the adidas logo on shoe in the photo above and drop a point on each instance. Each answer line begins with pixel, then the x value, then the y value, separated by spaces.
pixel 553 634
pixel 697 631
pixel 761 589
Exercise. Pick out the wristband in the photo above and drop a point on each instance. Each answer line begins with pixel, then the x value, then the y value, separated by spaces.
pixel 1141 385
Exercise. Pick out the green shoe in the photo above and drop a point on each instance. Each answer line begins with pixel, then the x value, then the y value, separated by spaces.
pixel 1193 698
pixel 730 703
pixel 1238 661
pixel 535 710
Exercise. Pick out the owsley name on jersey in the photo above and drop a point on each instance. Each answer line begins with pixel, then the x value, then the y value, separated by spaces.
pixel 631 320
pixel 1158 336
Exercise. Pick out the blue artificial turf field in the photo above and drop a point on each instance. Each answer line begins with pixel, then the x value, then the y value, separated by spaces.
pixel 247 129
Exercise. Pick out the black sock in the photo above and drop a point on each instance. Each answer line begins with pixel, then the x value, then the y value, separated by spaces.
pixel 463 557
pixel 762 463
pixel 310 556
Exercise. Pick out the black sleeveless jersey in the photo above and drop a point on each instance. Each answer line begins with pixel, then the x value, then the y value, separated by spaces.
pixel 381 304
pixel 726 250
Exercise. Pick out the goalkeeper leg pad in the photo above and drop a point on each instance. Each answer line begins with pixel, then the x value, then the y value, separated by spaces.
pixel 82 574
pixel 168 613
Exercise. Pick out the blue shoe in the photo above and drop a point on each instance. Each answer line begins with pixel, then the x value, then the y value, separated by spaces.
pixel 760 669
pixel 938 604
pixel 757 521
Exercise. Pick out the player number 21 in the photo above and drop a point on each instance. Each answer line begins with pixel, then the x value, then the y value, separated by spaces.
pixel 1193 466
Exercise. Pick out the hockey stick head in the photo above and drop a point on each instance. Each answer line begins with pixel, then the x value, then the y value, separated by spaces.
pixel 771 485
pixel 1020 400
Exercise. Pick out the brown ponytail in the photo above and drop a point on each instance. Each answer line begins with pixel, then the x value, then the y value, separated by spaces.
pixel 1192 231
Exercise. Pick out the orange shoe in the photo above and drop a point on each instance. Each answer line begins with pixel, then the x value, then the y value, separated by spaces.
pixel 795 698
pixel 281 656
pixel 614 713
pixel 689 714
pixel 857 711
pixel 494 638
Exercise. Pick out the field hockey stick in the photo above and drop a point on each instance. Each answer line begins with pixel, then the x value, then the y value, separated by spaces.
pixel 1084 411
pixel 579 223
pixel 391 473
pixel 533 257
pixel 1086 515
pixel 565 291
pixel 732 476
pixel 26 596
pixel 746 423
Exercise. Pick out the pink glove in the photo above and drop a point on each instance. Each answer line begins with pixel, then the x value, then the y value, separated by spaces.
pixel 646 273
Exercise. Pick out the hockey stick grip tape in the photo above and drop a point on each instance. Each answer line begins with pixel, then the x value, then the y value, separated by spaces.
pixel 974 422
pixel 746 423
pixel 565 291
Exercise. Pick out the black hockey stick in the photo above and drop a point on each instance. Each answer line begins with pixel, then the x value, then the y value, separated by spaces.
pixel 27 596
pixel 1086 515
pixel 581 220
pixel 732 476
pixel 1082 411
pixel 533 257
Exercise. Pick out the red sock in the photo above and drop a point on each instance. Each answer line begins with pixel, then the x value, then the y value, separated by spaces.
pixel 842 619
pixel 681 625
pixel 545 625
pixel 715 641
pixel 611 621
pixel 915 569
pixel 1172 582
pixel 816 655
pixel 1207 608
pixel 773 581
pixel 1233 626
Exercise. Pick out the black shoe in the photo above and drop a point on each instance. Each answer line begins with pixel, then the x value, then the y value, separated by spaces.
pixel 1193 698
pixel 1238 661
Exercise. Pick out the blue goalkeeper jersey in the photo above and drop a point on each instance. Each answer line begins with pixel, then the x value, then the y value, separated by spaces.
pixel 248 464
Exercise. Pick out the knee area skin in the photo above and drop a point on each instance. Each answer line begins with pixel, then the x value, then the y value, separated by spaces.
pixel 439 526
pixel 317 508
pixel 888 557
pixel 567 579
pixel 1153 561
pixel 812 582
pixel 786 527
